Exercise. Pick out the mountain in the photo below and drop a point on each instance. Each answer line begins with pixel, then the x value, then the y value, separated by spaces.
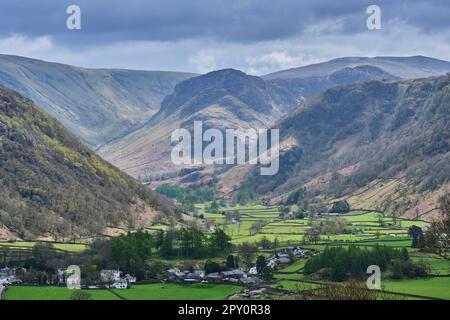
pixel 221 99
pixel 401 67
pixel 380 144
pixel 300 89
pixel 229 89
pixel 97 105
pixel 304 82
pixel 51 185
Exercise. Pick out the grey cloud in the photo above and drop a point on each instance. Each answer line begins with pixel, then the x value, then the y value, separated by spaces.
pixel 232 20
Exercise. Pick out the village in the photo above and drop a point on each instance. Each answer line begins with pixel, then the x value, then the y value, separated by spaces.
pixel 116 279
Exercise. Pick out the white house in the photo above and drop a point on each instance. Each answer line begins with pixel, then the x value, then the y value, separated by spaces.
pixel 120 284
pixel 112 279
pixel 7 272
pixel 130 279
pixel 253 271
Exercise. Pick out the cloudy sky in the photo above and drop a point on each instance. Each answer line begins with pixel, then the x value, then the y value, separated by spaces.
pixel 257 36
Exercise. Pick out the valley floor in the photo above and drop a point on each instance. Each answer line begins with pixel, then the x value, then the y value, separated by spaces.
pixel 368 229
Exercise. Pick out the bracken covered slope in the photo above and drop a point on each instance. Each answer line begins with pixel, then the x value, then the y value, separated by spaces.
pixel 381 144
pixel 51 185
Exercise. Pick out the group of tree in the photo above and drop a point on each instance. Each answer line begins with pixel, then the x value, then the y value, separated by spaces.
pixel 231 263
pixel 327 227
pixel 436 238
pixel 192 242
pixel 340 206
pixel 339 263
pixel 185 195
pixel 296 196
pixel 245 196
pixel 264 271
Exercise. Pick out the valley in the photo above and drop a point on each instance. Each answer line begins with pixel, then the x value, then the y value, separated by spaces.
pixel 364 156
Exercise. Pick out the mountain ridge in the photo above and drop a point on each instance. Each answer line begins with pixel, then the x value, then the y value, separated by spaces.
pixel 98 105
pixel 52 186
pixel 356 135
pixel 413 67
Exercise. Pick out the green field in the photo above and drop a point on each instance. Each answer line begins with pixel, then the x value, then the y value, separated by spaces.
pixel 172 291
pixel 367 229
pixel 435 287
pixel 52 293
pixel 71 247
pixel 294 267
pixel 157 291
pixel 364 226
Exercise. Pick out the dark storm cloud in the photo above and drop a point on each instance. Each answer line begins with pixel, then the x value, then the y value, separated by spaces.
pixel 227 20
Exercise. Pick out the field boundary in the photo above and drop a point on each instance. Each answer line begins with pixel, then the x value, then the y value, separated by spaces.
pixel 116 294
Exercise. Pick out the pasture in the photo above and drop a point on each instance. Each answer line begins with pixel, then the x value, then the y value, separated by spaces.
pixel 52 293
pixel 173 291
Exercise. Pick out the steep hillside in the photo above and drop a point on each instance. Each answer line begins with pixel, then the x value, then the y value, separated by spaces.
pixel 382 144
pixel 97 105
pixel 221 99
pixel 51 185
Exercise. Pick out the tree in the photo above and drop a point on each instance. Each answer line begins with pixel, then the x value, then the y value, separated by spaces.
pixel 220 242
pixel 232 216
pixel 437 237
pixel 341 206
pixel 232 262
pixel 212 267
pixel 167 245
pixel 245 196
pixel 159 239
pixel 260 263
pixel 312 235
pixel 340 263
pixel 130 251
pixel 416 233
pixel 42 253
pixel 214 206
pixel 300 214
pixel 247 253
pixel 154 269
pixel 284 210
pixel 295 196
pixel 265 243
pixel 266 273
pixel 256 227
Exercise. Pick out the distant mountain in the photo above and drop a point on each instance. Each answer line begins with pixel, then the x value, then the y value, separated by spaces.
pixel 379 144
pixel 300 89
pixel 230 99
pixel 221 99
pixel 52 186
pixel 401 67
pixel 97 105
pixel 233 90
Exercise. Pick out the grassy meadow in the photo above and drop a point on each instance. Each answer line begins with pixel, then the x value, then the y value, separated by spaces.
pixel 155 291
